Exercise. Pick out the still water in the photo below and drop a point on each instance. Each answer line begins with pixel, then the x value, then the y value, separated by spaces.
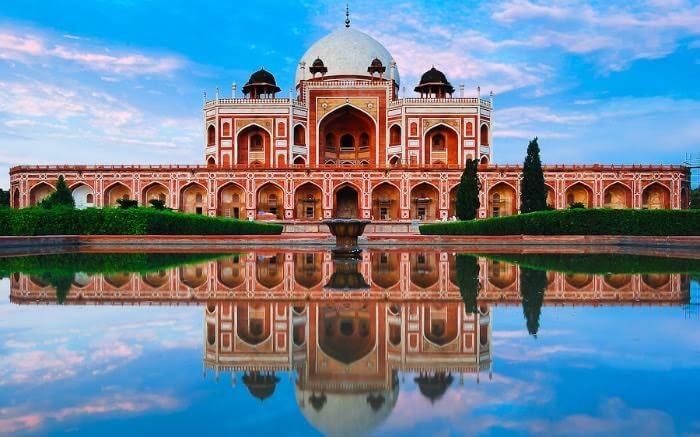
pixel 400 342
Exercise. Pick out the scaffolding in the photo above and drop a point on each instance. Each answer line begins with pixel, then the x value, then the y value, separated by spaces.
pixel 692 161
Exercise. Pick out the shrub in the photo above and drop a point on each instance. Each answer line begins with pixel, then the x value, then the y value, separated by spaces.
pixel 660 222
pixel 116 221
pixel 467 202
pixel 127 203
pixel 4 198
pixel 157 204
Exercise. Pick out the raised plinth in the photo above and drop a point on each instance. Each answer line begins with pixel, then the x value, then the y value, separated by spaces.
pixel 346 232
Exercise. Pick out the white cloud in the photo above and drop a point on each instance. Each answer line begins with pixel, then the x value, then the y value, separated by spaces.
pixel 27 47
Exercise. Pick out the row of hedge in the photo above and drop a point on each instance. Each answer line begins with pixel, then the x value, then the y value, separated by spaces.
pixel 599 263
pixel 659 222
pixel 134 221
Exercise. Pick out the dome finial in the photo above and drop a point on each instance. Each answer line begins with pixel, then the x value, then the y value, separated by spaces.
pixel 347 15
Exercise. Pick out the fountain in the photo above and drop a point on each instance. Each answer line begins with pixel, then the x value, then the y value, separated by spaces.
pixel 346 232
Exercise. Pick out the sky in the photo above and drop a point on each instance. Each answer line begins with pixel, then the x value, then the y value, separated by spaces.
pixel 138 370
pixel 121 81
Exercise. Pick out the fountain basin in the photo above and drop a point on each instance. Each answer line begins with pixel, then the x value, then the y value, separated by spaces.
pixel 346 232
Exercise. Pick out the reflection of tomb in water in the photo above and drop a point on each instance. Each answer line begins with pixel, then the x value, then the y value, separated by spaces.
pixel 308 269
pixel 270 270
pixel 348 356
pixel 346 275
pixel 155 279
pixel 231 271
pixel 424 269
pixel 385 269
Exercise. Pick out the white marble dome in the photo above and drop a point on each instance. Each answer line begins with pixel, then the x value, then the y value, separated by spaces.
pixel 347 414
pixel 347 52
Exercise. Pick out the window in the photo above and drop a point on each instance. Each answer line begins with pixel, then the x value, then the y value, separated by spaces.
pixel 256 143
pixel 469 129
pixel 421 213
pixel 347 143
pixel 414 130
pixel 211 135
pixel 438 142
pixel 89 198
pixel 384 213
pixel 395 135
pixel 226 129
pixel 309 212
pixel 299 135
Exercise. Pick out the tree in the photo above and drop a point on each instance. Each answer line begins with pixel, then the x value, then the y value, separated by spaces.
pixel 532 285
pixel 61 198
pixel 533 192
pixel 467 203
pixel 4 198
pixel 468 280
pixel 127 203
pixel 157 204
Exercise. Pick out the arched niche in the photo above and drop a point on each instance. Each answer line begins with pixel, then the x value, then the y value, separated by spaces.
pixel 231 201
pixel 441 144
pixel 270 270
pixel 83 196
pixel 193 275
pixel 115 192
pixel 346 202
pixel 425 271
pixel 617 196
pixel 308 202
pixel 395 135
pixel 253 323
pixel 501 274
pixel 346 332
pixel 155 191
pixel 254 146
pixel 231 271
pixel 502 200
pixel 299 135
pixel 579 193
pixel 440 323
pixel 656 196
pixel 386 202
pixel 40 192
pixel 193 199
pixel 270 200
pixel 425 201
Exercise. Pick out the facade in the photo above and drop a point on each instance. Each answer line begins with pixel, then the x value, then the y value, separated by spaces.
pixel 345 144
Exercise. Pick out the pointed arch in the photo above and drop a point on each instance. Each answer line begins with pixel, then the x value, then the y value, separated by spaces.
pixel 83 195
pixel 193 275
pixel 617 196
pixel 440 323
pixel 342 124
pixel 254 143
pixel 253 323
pixel 16 198
pixel 299 134
pixel 193 198
pixel 39 192
pixel 308 198
pixel 386 201
pixel 579 192
pixel 441 144
pixel 395 138
pixel 155 191
pixel 484 134
pixel 346 200
pixel 231 272
pixel 114 192
pixel 385 269
pixel 425 201
pixel 270 200
pixel 211 135
pixel 425 270
pixel 231 200
pixel 502 200
pixel 347 335
pixel 269 271
pixel 656 196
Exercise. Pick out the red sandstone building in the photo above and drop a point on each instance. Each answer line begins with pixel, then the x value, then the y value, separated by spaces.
pixel 346 144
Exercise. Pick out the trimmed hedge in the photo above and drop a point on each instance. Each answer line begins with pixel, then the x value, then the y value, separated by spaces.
pixel 599 263
pixel 659 222
pixel 134 221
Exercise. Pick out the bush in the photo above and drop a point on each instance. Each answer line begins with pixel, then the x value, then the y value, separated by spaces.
pixel 157 204
pixel 132 221
pixel 127 203
pixel 659 222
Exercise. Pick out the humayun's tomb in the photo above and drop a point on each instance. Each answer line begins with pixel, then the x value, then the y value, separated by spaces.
pixel 345 144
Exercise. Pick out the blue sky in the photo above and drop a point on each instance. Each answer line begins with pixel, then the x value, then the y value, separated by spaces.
pixel 121 81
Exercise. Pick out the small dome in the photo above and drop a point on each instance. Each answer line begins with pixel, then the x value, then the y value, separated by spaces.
pixel 260 385
pixel 434 387
pixel 317 63
pixel 434 78
pixel 376 62
pixel 261 77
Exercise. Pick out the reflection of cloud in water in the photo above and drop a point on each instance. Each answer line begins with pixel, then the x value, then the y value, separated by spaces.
pixel 26 418
pixel 412 408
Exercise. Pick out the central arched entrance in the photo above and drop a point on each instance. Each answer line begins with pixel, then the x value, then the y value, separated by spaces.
pixel 346 202
pixel 347 137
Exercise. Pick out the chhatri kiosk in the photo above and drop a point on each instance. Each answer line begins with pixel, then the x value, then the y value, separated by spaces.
pixel 345 143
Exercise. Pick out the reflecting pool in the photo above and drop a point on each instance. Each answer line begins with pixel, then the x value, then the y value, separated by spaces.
pixel 420 341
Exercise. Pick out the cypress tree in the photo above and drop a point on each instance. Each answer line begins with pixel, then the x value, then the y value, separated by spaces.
pixel 467 202
pixel 533 193
pixel 4 198
pixel 532 286
pixel 468 280
pixel 62 197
